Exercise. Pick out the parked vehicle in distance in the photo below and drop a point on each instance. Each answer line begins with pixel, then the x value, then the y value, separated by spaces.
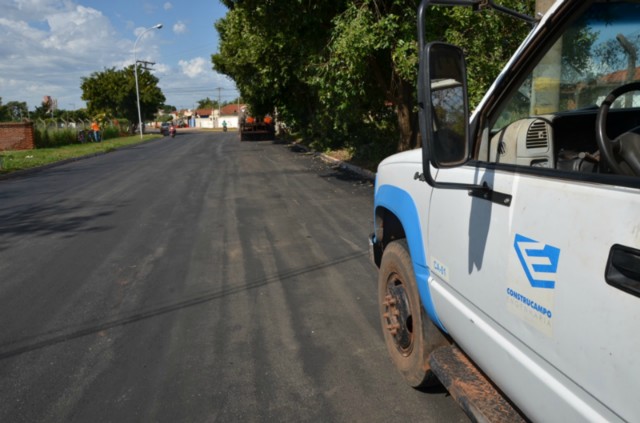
pixel 252 129
pixel 509 245
pixel 164 128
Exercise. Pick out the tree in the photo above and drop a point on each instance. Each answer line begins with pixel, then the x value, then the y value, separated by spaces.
pixel 207 103
pixel 13 111
pixel 481 35
pixel 113 93
pixel 368 72
pixel 43 111
pixel 267 48
pixel 346 71
pixel 371 60
pixel 237 100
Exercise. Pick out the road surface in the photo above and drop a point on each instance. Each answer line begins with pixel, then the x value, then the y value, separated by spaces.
pixel 195 279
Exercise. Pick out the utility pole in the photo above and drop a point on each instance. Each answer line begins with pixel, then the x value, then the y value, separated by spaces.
pixel 632 54
pixel 135 73
pixel 219 106
pixel 144 64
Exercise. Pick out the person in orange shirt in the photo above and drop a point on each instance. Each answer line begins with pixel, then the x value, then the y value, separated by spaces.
pixel 96 131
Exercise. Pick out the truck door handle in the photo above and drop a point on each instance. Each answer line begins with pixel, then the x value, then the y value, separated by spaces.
pixel 623 269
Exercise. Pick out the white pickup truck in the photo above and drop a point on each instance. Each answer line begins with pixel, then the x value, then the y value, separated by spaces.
pixel 509 245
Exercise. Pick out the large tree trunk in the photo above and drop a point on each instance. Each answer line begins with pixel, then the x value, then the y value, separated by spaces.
pixel 400 94
pixel 407 119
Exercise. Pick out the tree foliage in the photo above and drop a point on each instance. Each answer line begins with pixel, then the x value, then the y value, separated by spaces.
pixel 345 71
pixel 113 93
pixel 366 76
pixel 268 47
pixel 207 103
pixel 13 111
pixel 488 39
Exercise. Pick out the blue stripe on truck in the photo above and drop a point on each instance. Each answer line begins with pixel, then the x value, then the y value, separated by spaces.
pixel 401 204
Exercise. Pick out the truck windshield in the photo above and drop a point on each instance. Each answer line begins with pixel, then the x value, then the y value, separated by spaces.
pixel 595 54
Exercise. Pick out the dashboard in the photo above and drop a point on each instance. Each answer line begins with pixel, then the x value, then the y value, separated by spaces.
pixel 565 141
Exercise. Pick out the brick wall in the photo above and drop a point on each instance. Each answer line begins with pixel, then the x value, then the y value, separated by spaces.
pixel 16 136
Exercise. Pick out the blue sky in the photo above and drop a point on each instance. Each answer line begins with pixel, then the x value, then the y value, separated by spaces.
pixel 49 45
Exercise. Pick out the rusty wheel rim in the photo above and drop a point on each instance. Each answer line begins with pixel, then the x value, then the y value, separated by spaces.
pixel 398 316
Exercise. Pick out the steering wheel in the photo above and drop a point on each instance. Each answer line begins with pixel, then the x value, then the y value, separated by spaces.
pixel 622 154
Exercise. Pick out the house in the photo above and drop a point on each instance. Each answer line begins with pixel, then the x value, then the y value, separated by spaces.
pixel 205 118
pixel 185 117
pixel 615 79
pixel 213 118
pixel 231 114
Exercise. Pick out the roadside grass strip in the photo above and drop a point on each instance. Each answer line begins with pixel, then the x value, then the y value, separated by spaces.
pixel 12 161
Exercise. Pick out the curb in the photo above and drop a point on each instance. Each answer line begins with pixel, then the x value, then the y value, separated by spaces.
pixel 364 173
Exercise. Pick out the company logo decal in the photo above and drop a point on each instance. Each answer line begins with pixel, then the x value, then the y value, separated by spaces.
pixel 539 261
pixel 529 303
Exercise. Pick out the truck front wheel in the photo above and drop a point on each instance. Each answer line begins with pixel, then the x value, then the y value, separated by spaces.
pixel 408 333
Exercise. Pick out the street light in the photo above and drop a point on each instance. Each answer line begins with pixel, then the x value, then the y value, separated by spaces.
pixel 158 26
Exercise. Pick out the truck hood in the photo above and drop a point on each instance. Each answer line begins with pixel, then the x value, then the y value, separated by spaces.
pixel 411 156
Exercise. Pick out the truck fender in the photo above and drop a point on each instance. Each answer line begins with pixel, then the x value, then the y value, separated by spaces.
pixel 399 203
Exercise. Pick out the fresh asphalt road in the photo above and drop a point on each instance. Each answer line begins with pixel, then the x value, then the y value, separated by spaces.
pixel 195 279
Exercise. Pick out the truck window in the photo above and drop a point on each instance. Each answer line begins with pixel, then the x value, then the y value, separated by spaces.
pixel 550 119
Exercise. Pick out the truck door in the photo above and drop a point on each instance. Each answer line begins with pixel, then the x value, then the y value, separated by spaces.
pixel 552 275
pixel 540 271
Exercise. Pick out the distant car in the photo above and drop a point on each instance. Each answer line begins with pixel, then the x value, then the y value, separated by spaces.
pixel 164 128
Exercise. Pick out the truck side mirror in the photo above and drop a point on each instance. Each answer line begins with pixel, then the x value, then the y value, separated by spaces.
pixel 444 114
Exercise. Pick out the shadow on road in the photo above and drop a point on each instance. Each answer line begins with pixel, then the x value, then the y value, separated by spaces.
pixel 57 336
pixel 345 175
pixel 53 218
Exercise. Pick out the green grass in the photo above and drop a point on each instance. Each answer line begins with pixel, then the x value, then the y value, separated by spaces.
pixel 11 161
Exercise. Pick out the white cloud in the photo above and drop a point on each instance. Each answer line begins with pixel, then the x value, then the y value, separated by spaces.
pixel 82 29
pixel 193 80
pixel 32 9
pixel 194 67
pixel 184 92
pixel 49 45
pixel 168 6
pixel 179 27
pixel 162 69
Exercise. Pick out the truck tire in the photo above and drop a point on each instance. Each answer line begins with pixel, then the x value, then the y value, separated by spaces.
pixel 409 334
